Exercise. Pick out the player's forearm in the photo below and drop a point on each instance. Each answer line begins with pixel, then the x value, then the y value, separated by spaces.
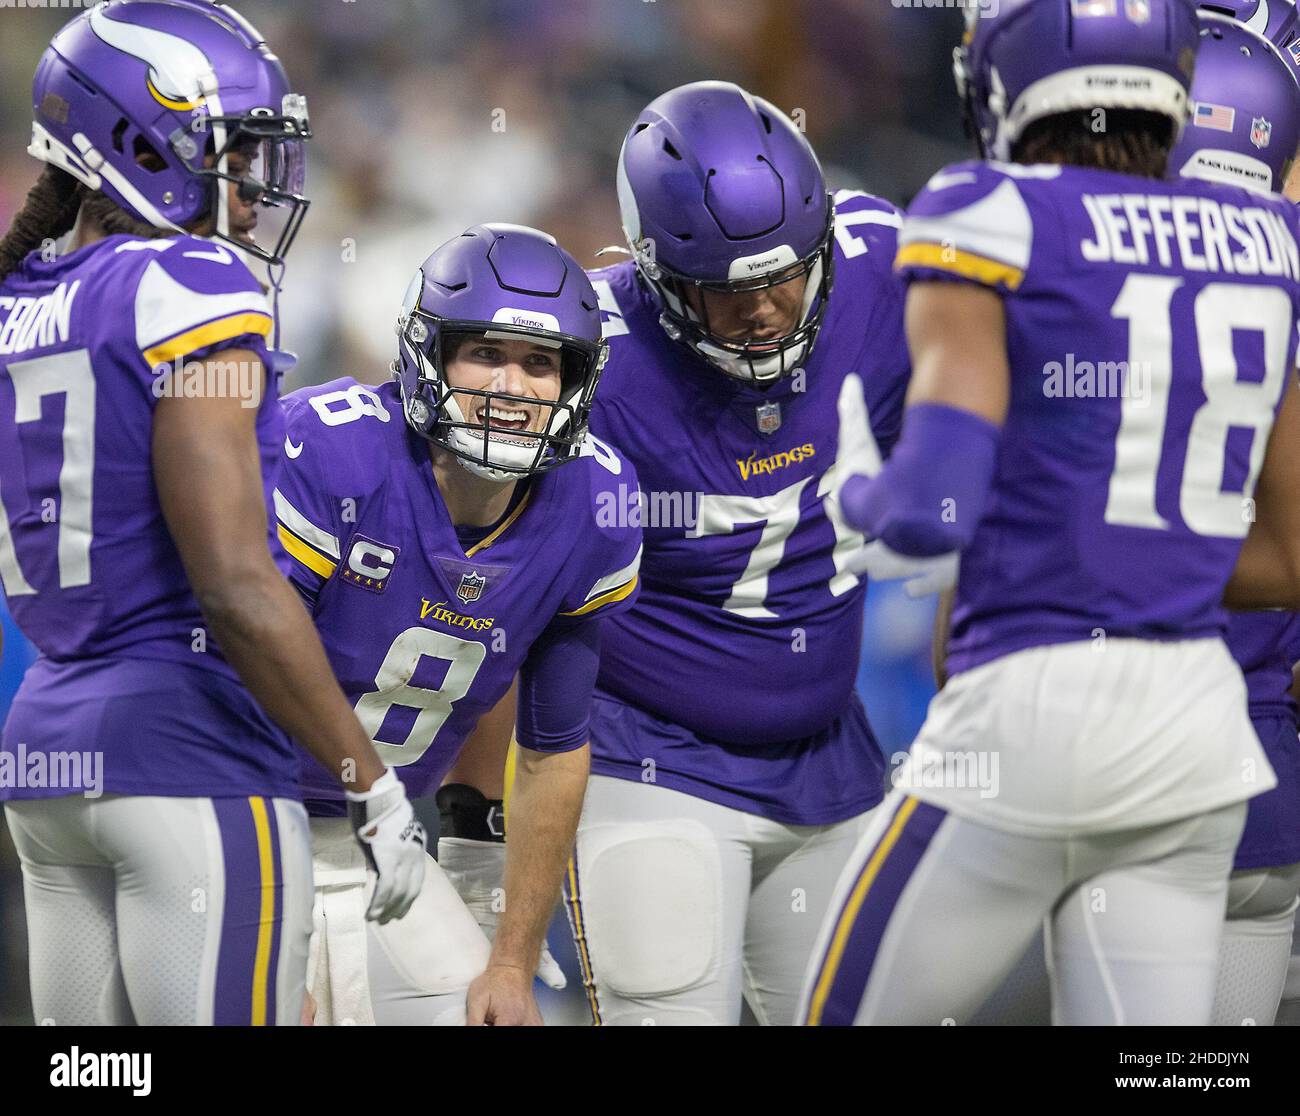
pixel 267 636
pixel 1267 574
pixel 544 807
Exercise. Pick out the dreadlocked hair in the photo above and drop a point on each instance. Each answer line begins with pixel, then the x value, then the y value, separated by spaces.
pixel 100 209
pixel 49 211
pixel 1128 141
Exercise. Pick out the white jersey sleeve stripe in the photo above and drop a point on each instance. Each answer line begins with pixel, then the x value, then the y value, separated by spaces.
pixel 997 227
pixel 165 308
pixel 618 577
pixel 301 526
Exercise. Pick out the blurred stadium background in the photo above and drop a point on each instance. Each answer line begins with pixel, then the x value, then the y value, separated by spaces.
pixel 433 115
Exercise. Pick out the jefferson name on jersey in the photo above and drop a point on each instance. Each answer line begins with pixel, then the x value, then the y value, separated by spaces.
pixel 1116 510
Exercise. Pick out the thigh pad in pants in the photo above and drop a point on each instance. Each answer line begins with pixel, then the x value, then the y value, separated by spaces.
pixel 1263 892
pixel 436 948
pixel 651 893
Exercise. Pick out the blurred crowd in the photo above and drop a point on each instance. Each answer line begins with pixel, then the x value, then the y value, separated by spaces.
pixel 433 115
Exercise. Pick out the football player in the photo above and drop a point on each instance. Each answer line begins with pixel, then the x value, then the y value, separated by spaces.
pixel 139 431
pixel 1264 645
pixel 1100 521
pixel 448 530
pixel 1237 71
pixel 1252 147
pixel 732 763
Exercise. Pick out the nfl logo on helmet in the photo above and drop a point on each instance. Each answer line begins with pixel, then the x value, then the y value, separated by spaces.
pixel 1261 132
pixel 471 587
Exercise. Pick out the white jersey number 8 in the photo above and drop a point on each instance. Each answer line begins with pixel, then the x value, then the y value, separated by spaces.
pixel 434 706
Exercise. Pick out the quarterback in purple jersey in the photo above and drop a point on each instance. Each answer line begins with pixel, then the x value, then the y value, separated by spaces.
pixel 732 763
pixel 133 519
pixel 449 530
pixel 1100 357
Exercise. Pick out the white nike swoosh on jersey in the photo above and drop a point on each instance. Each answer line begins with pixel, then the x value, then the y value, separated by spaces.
pixel 217 255
pixel 291 451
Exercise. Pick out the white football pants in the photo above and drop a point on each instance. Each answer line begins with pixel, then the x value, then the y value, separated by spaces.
pixel 413 971
pixel 165 911
pixel 679 906
pixel 934 911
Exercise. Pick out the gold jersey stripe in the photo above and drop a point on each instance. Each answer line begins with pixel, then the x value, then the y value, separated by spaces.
pixel 223 329
pixel 966 264
pixel 502 529
pixel 304 554
pixel 606 598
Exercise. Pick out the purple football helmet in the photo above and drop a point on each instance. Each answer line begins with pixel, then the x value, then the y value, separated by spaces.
pixel 1245 123
pixel 185 81
pixel 1039 58
pixel 504 282
pixel 1277 20
pixel 721 192
pixel 1274 19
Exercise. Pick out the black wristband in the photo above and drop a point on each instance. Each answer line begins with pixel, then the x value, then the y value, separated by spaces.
pixel 464 811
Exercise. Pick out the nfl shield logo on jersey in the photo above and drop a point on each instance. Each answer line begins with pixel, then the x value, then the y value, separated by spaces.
pixel 471 587
pixel 1138 11
pixel 1261 132
pixel 769 417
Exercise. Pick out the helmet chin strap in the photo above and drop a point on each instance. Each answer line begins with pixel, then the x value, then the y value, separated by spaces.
pixel 766 370
pixel 470 446
pixel 486 472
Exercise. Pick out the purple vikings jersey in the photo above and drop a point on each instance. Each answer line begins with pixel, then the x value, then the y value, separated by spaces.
pixel 1266 645
pixel 1150 332
pixel 735 671
pixel 88 567
pixel 426 636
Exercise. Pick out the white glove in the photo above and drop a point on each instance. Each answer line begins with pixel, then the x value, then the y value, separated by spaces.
pixel 477 870
pixel 920 576
pixel 858 454
pixel 393 840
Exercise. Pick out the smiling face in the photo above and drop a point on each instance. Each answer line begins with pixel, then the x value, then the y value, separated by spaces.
pixel 510 366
